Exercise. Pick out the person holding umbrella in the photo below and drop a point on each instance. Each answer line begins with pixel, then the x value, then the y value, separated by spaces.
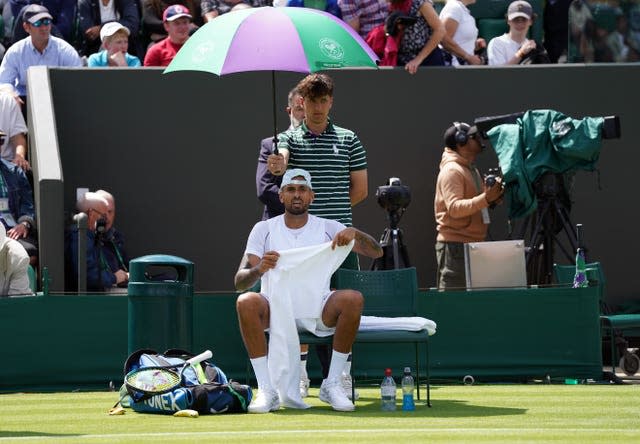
pixel 333 155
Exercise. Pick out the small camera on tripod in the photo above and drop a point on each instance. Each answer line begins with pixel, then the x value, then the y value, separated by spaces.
pixel 492 175
pixel 394 196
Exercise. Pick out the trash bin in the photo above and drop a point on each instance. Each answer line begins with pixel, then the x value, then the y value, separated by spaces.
pixel 160 295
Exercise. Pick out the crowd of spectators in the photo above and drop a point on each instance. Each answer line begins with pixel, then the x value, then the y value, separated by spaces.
pixel 423 32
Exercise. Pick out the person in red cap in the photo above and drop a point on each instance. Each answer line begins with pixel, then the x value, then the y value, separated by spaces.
pixel 177 22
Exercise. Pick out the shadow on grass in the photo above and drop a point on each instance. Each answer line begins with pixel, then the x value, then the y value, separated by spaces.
pixel 441 408
pixel 27 434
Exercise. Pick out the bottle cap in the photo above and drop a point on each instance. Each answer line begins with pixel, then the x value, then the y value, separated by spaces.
pixel 407 370
pixel 387 372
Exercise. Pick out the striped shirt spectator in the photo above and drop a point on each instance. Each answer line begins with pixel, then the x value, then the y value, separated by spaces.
pixel 330 157
pixel 363 15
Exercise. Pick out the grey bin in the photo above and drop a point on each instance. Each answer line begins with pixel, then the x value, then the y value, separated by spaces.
pixel 160 305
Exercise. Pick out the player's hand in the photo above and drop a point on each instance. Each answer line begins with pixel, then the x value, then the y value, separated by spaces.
pixel 343 238
pixel 276 164
pixel 268 261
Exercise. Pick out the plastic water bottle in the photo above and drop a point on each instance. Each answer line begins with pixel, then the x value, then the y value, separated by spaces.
pixel 388 391
pixel 407 391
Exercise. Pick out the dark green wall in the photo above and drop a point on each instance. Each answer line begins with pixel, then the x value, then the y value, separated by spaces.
pixel 179 151
pixel 62 342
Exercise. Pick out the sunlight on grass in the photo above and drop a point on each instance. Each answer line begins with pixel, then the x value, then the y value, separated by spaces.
pixel 500 413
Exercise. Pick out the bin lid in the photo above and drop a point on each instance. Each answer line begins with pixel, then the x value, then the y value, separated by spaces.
pixel 161 259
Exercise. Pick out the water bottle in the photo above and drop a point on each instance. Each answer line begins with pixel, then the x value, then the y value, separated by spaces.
pixel 407 390
pixel 388 392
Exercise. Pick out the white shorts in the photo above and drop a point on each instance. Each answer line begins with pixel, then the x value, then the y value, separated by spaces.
pixel 313 325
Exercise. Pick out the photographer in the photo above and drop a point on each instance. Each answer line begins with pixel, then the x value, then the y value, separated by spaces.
pixel 104 270
pixel 461 203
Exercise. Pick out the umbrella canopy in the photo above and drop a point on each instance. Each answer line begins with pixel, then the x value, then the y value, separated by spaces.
pixel 273 38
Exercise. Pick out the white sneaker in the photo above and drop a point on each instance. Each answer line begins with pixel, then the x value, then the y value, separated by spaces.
pixel 266 401
pixel 332 393
pixel 304 387
pixel 347 385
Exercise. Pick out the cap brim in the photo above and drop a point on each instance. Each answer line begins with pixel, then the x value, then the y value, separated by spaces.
pixel 177 16
pixel 519 14
pixel 39 16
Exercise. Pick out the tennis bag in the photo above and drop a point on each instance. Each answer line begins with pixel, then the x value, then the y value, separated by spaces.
pixel 217 395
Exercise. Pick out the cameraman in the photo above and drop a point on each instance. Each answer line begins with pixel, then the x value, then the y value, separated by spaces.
pixel 461 203
pixel 103 268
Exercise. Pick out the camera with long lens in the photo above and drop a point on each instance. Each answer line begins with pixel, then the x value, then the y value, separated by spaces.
pixel 101 226
pixel 492 175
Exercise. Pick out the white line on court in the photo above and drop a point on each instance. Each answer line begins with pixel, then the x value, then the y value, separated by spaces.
pixel 458 431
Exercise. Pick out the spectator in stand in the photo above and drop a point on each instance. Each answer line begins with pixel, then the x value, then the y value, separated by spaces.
pixel 461 33
pixel 512 47
pixel 39 48
pixel 14 263
pixel 177 22
pixel 94 14
pixel 113 238
pixel 213 8
pixel 104 270
pixel 153 23
pixel 115 40
pixel 17 211
pixel 419 44
pixel 62 17
pixel 14 144
pixel 330 6
pixel 363 15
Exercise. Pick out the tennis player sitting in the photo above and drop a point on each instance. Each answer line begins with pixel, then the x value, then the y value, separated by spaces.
pixel 294 255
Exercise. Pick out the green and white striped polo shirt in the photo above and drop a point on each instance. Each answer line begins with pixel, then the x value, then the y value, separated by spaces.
pixel 329 157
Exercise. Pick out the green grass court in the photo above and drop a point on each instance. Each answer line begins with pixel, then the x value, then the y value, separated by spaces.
pixel 479 413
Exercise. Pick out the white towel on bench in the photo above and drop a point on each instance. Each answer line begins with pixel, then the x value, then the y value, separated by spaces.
pixel 415 323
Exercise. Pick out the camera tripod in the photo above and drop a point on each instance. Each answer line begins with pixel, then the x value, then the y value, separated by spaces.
pixel 394 251
pixel 541 231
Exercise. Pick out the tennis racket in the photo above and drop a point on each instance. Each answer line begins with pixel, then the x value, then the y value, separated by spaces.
pixel 155 380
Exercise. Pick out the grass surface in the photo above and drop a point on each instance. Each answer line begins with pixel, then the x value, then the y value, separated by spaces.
pixel 481 413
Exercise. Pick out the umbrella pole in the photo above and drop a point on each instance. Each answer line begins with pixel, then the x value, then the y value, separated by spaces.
pixel 275 118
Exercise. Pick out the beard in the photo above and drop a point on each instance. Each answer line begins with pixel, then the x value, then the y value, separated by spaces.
pixel 297 210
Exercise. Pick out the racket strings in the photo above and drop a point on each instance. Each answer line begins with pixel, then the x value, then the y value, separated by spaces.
pixel 153 379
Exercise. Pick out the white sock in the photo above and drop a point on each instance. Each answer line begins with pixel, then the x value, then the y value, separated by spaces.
pixel 303 364
pixel 338 361
pixel 347 366
pixel 261 369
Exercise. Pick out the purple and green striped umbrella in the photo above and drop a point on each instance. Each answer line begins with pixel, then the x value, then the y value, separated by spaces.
pixel 273 39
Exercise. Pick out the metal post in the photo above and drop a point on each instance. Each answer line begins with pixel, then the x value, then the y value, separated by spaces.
pixel 81 221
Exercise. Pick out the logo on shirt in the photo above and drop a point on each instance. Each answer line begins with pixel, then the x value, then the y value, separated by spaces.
pixel 335 150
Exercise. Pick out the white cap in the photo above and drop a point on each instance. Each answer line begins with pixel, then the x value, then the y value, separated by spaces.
pixel 108 29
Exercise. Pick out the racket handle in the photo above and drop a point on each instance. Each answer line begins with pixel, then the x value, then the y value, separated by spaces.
pixel 198 358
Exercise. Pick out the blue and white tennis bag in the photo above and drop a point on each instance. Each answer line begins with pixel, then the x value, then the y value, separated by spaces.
pixel 217 395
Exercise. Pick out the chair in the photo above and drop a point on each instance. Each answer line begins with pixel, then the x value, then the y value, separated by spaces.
pixel 387 293
pixel 629 362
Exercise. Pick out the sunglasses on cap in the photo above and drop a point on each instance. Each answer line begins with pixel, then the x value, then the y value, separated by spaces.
pixel 41 22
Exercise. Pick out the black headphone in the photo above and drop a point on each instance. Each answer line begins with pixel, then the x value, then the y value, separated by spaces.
pixel 461 136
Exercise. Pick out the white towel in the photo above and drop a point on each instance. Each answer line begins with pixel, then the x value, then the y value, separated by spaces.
pixel 369 323
pixel 297 287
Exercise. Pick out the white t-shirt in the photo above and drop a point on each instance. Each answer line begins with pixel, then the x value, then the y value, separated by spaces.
pixel 11 123
pixel 316 231
pixel 467 31
pixel 502 49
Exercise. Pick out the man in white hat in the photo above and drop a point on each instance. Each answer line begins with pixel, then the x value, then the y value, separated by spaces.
pixel 512 47
pixel 270 246
pixel 115 41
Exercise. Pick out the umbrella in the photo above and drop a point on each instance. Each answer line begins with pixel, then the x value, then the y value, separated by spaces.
pixel 273 39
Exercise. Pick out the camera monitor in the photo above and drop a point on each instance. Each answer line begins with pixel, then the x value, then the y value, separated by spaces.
pixel 495 264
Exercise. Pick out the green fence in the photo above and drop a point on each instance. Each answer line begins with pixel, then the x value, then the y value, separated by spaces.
pixel 62 342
